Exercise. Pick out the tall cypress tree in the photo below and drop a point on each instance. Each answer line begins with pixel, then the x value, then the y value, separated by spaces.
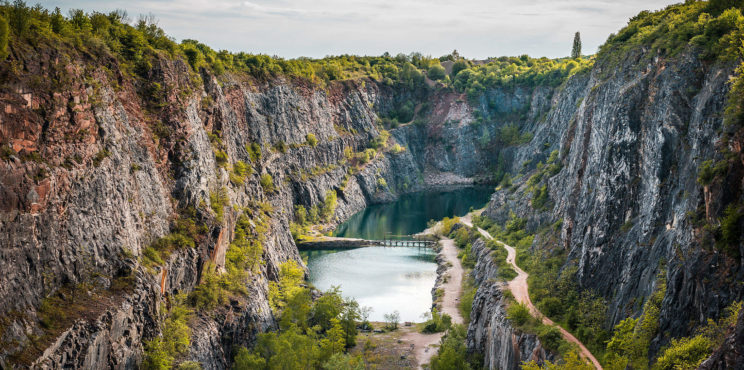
pixel 576 51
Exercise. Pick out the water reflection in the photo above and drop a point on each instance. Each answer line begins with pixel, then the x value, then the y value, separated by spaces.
pixel 411 212
pixel 396 278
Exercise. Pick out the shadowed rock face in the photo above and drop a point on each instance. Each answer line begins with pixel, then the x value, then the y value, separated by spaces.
pixel 631 139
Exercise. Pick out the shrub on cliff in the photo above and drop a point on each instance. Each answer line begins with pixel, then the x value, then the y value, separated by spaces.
pixel 311 140
pixel 174 341
pixel 267 183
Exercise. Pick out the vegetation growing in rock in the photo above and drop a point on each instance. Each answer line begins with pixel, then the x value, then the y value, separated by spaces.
pixel 311 334
pixel 453 354
pixel 174 338
pixel 267 183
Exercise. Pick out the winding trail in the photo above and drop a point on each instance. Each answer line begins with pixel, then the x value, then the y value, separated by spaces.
pixel 423 344
pixel 520 290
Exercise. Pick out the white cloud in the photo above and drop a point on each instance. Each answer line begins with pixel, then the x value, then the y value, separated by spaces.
pixel 477 28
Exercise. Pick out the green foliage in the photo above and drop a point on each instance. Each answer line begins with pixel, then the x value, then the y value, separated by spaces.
pixel 710 171
pixel 311 140
pixel 254 151
pixel 632 337
pixel 689 352
pixel 731 230
pixel 174 341
pixel 288 284
pixel 329 205
pixel 459 66
pixel 267 183
pixel 468 296
pixel 397 149
pixel 453 354
pixel 344 361
pixel 499 254
pixel 218 200
pixel 4 35
pixel 380 142
pixel 509 135
pixel 571 361
pixel 697 24
pixel 391 320
pixel 436 72
pixel 220 157
pixel 280 146
pixel 513 71
pixel 519 314
pixel 685 353
pixel 550 337
pixel 437 323
pixel 312 334
pixel 447 224
pixel 540 198
pixel 184 232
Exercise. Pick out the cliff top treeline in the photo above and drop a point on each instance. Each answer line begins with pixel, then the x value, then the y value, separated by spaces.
pixel 135 44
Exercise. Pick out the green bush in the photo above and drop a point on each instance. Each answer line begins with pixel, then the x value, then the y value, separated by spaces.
pixel 311 140
pixel 329 205
pixel 436 72
pixel 254 151
pixel 453 354
pixel 174 340
pixel 709 171
pixel 312 335
pixel 731 230
pixel 267 183
pixel 217 201
pixel 550 337
pixel 518 313
pixel 437 322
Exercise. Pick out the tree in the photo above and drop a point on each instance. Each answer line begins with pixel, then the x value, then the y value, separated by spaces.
pixel 436 72
pixel 391 320
pixel 349 318
pixel 576 51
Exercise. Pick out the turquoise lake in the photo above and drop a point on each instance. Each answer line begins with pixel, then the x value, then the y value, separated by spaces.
pixel 390 279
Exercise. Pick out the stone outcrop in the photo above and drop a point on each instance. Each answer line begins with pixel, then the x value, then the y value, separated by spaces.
pixel 490 332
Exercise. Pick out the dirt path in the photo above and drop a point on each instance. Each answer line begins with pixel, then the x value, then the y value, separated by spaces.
pixel 424 344
pixel 519 289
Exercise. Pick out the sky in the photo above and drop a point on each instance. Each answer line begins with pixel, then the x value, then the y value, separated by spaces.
pixel 478 29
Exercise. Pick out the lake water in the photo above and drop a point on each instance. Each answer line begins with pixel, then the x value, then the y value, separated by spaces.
pixel 390 279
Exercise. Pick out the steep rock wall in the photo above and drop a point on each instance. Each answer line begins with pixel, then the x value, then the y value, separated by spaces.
pixel 490 332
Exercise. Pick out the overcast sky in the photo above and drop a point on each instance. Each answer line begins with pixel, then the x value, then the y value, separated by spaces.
pixel 476 28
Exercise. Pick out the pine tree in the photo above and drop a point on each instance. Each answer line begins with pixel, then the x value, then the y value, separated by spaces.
pixel 576 51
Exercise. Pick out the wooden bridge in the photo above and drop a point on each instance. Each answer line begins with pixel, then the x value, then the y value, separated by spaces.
pixel 330 242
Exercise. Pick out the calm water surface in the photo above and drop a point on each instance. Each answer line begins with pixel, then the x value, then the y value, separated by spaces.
pixel 389 279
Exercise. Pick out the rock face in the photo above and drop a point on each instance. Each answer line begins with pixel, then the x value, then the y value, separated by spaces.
pixel 101 170
pixel 490 332
pixel 631 138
